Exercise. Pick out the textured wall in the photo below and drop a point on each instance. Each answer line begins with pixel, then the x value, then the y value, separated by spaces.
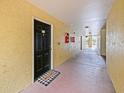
pixel 115 45
pixel 16 43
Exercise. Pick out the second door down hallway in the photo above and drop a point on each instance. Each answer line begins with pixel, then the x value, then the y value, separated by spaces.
pixel 84 73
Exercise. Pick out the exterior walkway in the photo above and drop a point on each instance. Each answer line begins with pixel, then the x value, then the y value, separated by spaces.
pixel 85 73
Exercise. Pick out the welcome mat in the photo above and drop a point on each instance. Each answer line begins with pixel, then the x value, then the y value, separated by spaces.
pixel 48 77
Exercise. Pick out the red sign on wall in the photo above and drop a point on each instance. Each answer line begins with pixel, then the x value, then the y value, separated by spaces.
pixel 72 38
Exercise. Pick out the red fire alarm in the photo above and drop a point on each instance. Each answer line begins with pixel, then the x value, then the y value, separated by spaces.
pixel 66 37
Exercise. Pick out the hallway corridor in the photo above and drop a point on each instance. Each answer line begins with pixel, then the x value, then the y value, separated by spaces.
pixel 84 73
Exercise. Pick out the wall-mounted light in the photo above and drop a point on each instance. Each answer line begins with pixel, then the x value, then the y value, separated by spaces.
pixel 87 31
pixel 86 26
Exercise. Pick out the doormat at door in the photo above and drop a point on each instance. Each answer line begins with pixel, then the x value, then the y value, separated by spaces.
pixel 48 77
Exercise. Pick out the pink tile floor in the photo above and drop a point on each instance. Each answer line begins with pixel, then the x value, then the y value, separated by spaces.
pixel 85 73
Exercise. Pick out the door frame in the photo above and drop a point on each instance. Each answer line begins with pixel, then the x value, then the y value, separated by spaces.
pixel 38 19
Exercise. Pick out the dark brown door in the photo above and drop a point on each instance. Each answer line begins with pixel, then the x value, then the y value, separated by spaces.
pixel 42 48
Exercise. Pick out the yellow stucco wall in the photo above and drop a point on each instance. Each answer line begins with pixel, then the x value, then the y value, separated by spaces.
pixel 16 43
pixel 115 45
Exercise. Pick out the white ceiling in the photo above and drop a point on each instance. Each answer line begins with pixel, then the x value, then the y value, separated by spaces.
pixel 77 13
